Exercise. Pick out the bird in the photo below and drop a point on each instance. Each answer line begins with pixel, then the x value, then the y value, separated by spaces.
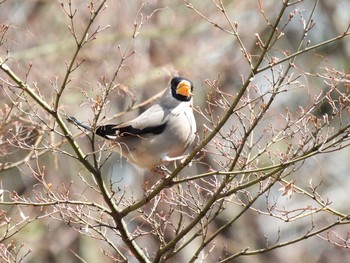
pixel 159 135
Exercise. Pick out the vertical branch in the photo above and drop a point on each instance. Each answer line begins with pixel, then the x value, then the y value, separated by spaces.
pixel 79 45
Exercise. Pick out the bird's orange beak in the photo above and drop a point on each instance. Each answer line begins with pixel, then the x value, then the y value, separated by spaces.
pixel 184 88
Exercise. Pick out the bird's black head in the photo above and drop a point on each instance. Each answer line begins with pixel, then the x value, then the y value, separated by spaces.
pixel 181 88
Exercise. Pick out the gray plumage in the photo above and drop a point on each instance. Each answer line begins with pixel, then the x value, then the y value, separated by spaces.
pixel 160 134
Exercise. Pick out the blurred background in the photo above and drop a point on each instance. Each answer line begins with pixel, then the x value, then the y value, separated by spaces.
pixel 172 40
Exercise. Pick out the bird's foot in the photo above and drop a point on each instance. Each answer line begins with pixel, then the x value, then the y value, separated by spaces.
pixel 167 159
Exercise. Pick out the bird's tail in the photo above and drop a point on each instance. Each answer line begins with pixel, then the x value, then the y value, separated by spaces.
pixel 106 131
pixel 78 123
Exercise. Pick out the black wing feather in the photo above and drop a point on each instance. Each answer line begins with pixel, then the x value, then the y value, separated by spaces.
pixel 112 130
pixel 106 130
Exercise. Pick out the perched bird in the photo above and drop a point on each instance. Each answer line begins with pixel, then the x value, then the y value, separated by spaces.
pixel 160 134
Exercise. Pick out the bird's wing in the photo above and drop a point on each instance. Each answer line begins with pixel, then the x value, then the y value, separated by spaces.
pixel 153 120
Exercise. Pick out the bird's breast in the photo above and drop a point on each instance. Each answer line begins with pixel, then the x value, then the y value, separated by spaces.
pixel 148 150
